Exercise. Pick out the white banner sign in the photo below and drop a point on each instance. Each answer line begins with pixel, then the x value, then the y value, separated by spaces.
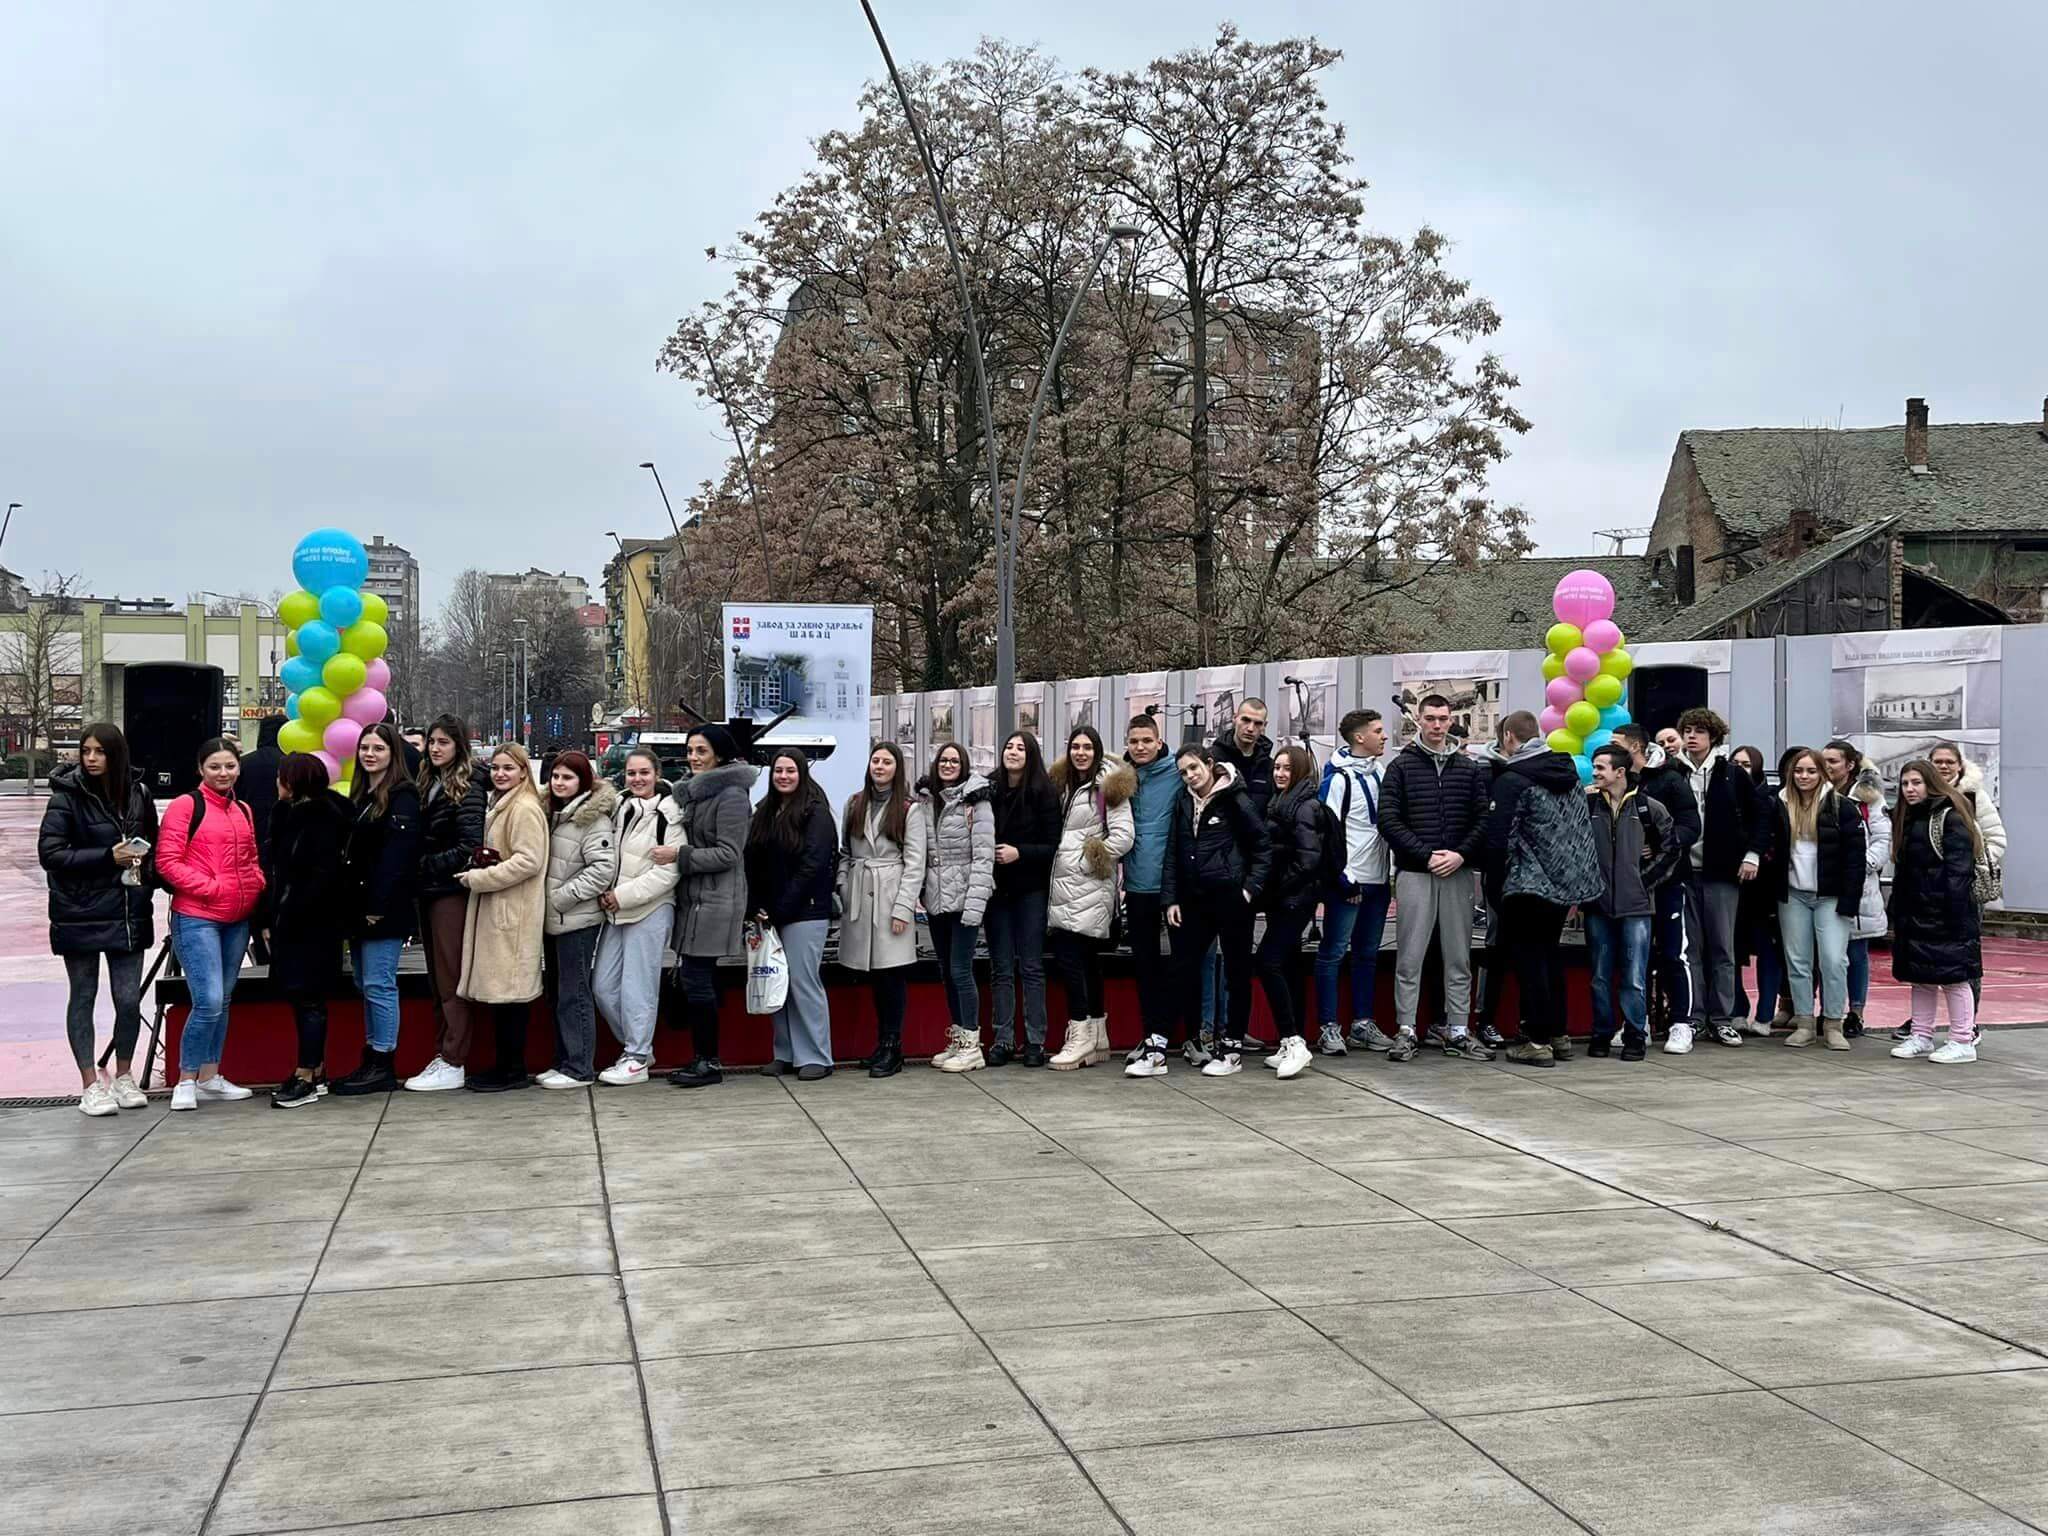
pixel 1423 666
pixel 1923 646
pixel 816 658
pixel 1706 655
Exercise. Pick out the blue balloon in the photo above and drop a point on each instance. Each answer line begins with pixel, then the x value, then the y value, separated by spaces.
pixel 1585 766
pixel 318 641
pixel 291 703
pixel 1615 715
pixel 330 557
pixel 1597 740
pixel 298 674
pixel 341 606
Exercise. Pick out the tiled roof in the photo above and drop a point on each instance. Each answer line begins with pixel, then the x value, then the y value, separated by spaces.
pixel 1986 476
pixel 1506 603
pixel 1704 619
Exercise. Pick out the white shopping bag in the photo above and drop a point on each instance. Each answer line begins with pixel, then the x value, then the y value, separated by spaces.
pixel 767 969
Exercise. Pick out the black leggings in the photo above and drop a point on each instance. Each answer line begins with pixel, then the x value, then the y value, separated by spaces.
pixel 891 991
pixel 1077 957
pixel 1279 966
pixel 697 980
pixel 509 1022
pixel 124 980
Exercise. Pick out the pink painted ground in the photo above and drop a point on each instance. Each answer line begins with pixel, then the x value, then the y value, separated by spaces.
pixel 36 1061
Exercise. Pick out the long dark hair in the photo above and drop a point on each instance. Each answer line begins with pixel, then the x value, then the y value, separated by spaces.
pixel 779 818
pixel 114 784
pixel 1034 784
pixel 1939 791
pixel 578 764
pixel 896 818
pixel 461 767
pixel 1075 783
pixel 359 792
pixel 302 776
pixel 931 778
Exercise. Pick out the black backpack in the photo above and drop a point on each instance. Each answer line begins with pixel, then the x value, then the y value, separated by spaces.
pixel 1336 856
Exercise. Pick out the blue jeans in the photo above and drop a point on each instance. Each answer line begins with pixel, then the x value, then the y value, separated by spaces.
pixel 1357 927
pixel 953 944
pixel 1859 974
pixel 1816 941
pixel 375 962
pixel 1626 940
pixel 210 954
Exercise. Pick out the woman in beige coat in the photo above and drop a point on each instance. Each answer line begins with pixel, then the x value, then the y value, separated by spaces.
pixel 503 928
pixel 881 871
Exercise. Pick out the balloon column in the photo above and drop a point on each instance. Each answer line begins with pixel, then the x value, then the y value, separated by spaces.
pixel 1585 670
pixel 336 676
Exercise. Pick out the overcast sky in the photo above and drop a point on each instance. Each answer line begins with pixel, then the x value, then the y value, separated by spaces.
pixel 405 268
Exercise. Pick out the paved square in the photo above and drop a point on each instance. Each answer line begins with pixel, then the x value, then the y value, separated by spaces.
pixel 1741 1291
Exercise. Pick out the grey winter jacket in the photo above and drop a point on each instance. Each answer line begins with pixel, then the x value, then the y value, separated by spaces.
pixel 960 849
pixel 1620 839
pixel 711 885
pixel 582 858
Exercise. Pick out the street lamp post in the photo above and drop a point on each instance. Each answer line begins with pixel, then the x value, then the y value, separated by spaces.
pixel 524 672
pixel 626 629
pixel 12 508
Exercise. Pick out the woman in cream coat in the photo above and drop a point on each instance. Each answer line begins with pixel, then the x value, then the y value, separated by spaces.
pixel 506 918
pixel 881 872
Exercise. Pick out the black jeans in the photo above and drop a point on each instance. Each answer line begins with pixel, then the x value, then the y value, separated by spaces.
pixel 1144 929
pixel 310 1016
pixel 1015 922
pixel 509 1022
pixel 1222 918
pixel 1078 959
pixel 1530 928
pixel 1279 966
pixel 697 981
pixel 890 990
pixel 124 981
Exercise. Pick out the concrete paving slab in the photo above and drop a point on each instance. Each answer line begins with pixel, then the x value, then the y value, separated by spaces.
pixel 2017 1208
pixel 125 1355
pixel 1279 1189
pixel 2027 1141
pixel 466 1138
pixel 857 1110
pixel 1621 1247
pixel 1763 1117
pixel 1335 1266
pixel 1808 1330
pixel 345 1454
pixel 1028 1496
pixel 1936 1111
pixel 1845 1231
pixel 1689 1175
pixel 255 1147
pixel 1167 1380
pixel 67 1124
pixel 139 1269
pixel 351 1337
pixel 1896 1159
pixel 1506 1185
pixel 140 1201
pixel 1020 1153
pixel 90 1471
pixel 380 1252
pixel 720 1308
pixel 648 1173
pixel 632 1515
pixel 497 1184
pixel 1068 1208
pixel 1339 1142
pixel 1723 1466
pixel 1203 1147
pixel 60 1160
pixel 27 1211
pixel 751 1229
pixel 2005 1297
pixel 782 1413
pixel 1098 1282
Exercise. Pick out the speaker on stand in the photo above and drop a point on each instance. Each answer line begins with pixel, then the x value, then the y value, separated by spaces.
pixel 168 709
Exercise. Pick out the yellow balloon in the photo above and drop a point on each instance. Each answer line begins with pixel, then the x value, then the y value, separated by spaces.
pixel 1602 691
pixel 1553 666
pixel 295 608
pixel 298 736
pixel 318 708
pixel 375 609
pixel 1563 639
pixel 1565 741
pixel 364 638
pixel 1581 720
pixel 343 674
pixel 291 642
pixel 1617 663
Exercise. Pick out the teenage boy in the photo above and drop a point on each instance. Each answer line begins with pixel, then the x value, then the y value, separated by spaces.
pixel 1672 927
pixel 1152 814
pixel 1356 920
pixel 1735 833
pixel 1639 850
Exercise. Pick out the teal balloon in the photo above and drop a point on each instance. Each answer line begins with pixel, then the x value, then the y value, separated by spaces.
pixel 318 640
pixel 299 673
pixel 1615 716
pixel 291 704
pixel 1585 766
pixel 330 557
pixel 341 606
pixel 1597 740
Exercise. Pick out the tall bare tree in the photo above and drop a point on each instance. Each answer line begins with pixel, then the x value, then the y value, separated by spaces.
pixel 42 686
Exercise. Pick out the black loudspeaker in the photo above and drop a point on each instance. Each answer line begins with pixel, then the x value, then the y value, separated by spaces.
pixel 1659 695
pixel 169 708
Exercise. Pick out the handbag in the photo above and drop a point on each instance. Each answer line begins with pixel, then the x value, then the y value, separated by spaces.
pixel 1987 880
pixel 767 969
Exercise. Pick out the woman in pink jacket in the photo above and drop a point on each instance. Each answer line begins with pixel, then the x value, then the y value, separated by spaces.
pixel 207 856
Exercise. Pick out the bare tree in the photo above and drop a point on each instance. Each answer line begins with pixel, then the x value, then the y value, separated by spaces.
pixel 1818 476
pixel 41 681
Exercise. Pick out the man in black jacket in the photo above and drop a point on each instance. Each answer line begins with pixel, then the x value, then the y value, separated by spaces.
pixel 1243 747
pixel 1672 932
pixel 1433 816
pixel 1735 834
pixel 1637 843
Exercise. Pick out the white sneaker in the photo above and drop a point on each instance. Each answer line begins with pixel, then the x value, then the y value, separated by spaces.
pixel 968 1058
pixel 1680 1043
pixel 1150 1060
pixel 623 1073
pixel 97 1100
pixel 1953 1051
pixel 1758 1027
pixel 437 1076
pixel 1914 1045
pixel 1078 1050
pixel 553 1078
pixel 218 1087
pixel 1224 1064
pixel 185 1096
pixel 127 1095
pixel 1277 1057
pixel 1295 1057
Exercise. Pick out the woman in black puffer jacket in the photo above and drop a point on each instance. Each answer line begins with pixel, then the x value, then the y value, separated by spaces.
pixel 307 912
pixel 1294 827
pixel 455 794
pixel 1936 928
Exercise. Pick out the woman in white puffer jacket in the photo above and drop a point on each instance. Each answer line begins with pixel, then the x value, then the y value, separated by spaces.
pixel 639 912
pixel 1856 778
pixel 1096 831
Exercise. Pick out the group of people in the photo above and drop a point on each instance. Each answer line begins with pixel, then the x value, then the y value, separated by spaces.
pixel 1680 858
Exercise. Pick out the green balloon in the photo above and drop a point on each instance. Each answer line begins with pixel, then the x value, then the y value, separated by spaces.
pixel 1565 741
pixel 1602 691
pixel 365 638
pixel 1563 639
pixel 319 708
pixel 345 673
pixel 1582 719
pixel 298 736
pixel 295 608
pixel 1617 663
pixel 1553 666
pixel 375 609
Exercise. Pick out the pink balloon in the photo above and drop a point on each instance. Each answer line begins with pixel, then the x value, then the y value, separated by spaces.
pixel 333 765
pixel 1583 597
pixel 366 706
pixel 1603 635
pixel 379 675
pixel 1552 718
pixel 1582 666
pixel 1563 693
pixel 340 738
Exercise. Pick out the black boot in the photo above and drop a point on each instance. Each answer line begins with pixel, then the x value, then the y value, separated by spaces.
pixel 887 1060
pixel 373 1076
pixel 1852 1024
pixel 701 1073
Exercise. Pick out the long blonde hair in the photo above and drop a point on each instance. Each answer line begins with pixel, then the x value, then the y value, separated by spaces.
pixel 517 753
pixel 1802 809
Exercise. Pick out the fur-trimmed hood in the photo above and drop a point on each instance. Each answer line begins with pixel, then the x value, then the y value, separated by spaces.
pixel 1118 780
pixel 701 786
pixel 971 790
pixel 1971 780
pixel 1868 787
pixel 591 807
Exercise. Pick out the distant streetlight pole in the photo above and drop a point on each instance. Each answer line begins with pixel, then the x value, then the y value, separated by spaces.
pixel 524 673
pixel 625 629
pixel 12 508
pixel 732 421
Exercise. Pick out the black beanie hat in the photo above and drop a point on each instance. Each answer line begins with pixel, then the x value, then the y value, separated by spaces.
pixel 723 747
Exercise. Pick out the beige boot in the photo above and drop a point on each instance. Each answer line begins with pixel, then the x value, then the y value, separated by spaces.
pixel 1098 1053
pixel 1075 1051
pixel 1832 1036
pixel 1802 1032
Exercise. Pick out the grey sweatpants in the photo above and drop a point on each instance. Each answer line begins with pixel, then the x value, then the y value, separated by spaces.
pixel 1423 905
pixel 627 980
pixel 803 1024
pixel 1712 944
